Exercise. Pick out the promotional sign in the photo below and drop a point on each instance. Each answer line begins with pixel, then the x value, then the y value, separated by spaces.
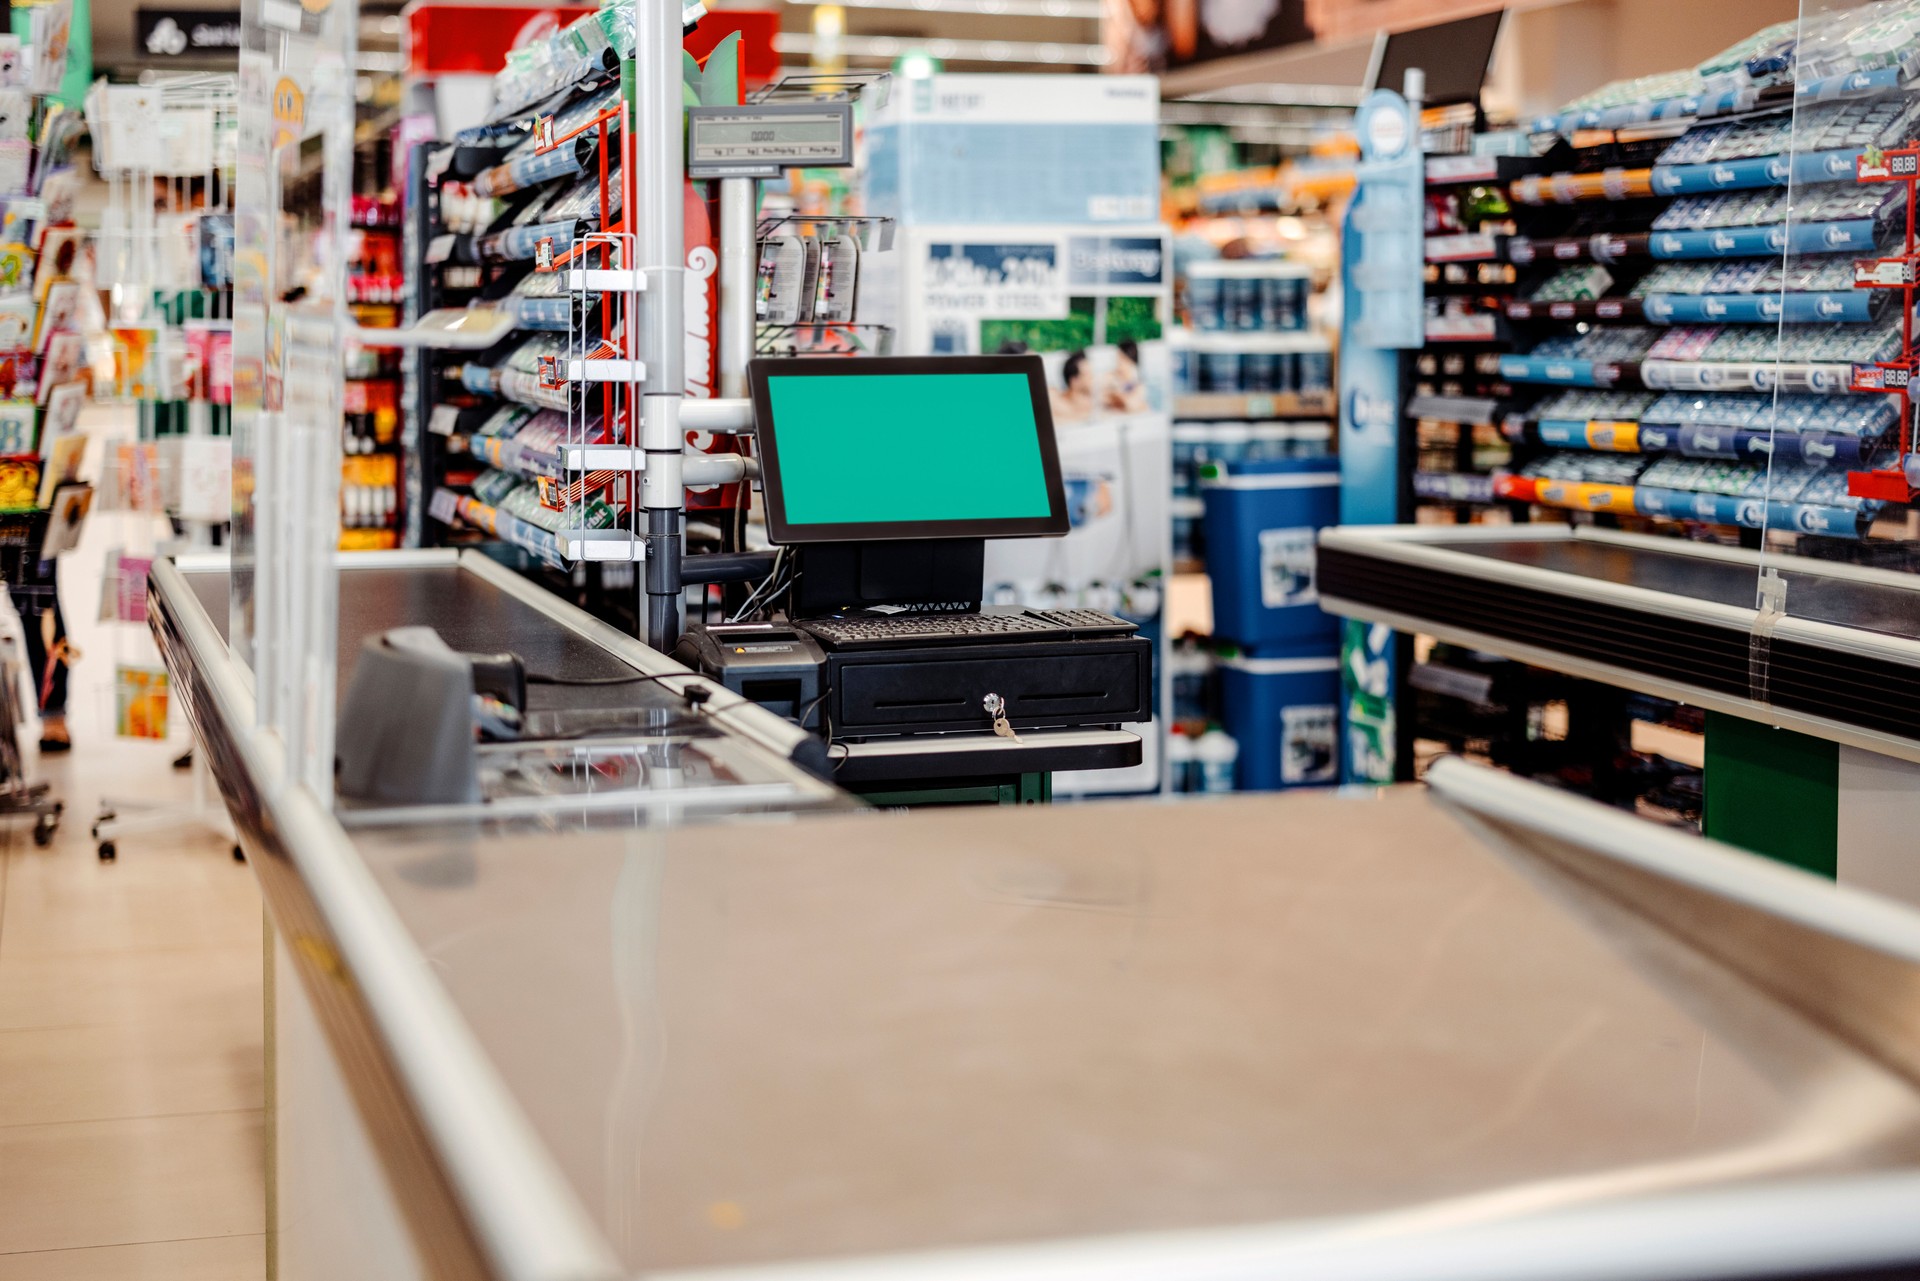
pixel 1164 35
pixel 1380 275
pixel 1161 35
pixel 960 287
pixel 182 33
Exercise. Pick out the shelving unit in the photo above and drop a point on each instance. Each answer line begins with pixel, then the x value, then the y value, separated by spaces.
pixel 1683 292
pixel 577 439
pixel 1672 339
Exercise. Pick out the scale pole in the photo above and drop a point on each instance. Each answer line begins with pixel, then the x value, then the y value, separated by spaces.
pixel 661 237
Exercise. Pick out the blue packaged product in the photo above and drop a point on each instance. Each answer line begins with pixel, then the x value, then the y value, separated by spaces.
pixel 1192 446
pixel 1260 371
pixel 1286 373
pixel 1240 301
pixel 1261 526
pixel 1204 301
pixel 1185 375
pixel 1186 541
pixel 1283 708
pixel 1190 673
pixel 1315 372
pixel 1220 371
pixel 1283 302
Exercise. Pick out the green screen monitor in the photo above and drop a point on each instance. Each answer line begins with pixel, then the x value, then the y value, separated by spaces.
pixel 893 448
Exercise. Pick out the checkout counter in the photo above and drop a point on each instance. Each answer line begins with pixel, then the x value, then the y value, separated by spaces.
pixel 676 1007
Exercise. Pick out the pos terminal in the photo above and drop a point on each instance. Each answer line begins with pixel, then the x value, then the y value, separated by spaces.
pixel 883 478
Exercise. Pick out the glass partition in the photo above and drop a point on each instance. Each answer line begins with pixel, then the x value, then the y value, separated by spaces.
pixel 291 215
pixel 1831 443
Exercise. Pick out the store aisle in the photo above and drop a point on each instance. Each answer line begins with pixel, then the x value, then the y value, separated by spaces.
pixel 131 1140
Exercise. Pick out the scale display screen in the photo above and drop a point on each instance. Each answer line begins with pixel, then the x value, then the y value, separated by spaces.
pixel 760 141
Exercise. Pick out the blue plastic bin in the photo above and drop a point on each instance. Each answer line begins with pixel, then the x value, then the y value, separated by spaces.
pixel 1285 714
pixel 1261 522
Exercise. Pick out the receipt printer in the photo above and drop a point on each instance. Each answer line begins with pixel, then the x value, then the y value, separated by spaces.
pixel 771 664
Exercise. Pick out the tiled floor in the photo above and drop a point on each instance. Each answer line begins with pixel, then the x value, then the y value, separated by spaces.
pixel 131 1142
pixel 130 1046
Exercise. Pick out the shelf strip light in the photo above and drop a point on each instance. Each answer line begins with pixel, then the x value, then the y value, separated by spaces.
pixel 1086 10
pixel 1078 55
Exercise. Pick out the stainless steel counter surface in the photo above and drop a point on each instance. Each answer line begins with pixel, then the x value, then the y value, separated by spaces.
pixel 881 1034
pixel 1309 1035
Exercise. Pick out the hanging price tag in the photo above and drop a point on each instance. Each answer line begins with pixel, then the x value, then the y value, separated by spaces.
pixel 543 254
pixel 543 134
pixel 443 506
pixel 442 420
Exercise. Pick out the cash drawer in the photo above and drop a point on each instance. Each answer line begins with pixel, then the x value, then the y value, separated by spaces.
pixel 1045 686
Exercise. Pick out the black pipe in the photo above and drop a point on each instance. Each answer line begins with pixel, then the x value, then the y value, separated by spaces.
pixel 663 578
pixel 726 567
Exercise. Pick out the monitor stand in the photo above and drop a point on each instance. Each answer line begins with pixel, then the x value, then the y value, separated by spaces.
pixel 947 575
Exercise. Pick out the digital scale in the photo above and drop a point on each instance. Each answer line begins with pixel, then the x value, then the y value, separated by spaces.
pixel 759 140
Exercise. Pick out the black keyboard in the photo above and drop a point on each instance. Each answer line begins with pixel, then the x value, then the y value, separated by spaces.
pixel 877 631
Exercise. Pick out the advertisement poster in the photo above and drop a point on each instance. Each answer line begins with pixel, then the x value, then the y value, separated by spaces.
pixel 1093 305
pixel 140 703
pixel 1165 35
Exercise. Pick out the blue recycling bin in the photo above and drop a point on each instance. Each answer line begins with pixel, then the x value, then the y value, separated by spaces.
pixel 1262 520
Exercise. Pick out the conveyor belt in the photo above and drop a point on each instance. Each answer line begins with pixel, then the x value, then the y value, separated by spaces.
pixel 473 616
pixel 1647 614
pixel 1811 593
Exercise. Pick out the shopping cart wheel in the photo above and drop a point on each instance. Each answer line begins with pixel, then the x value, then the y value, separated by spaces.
pixel 44 827
pixel 107 852
pixel 239 855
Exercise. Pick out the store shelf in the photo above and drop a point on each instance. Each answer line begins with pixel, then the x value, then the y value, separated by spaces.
pixel 1252 406
pixel 1477 246
pixel 1610 436
pixel 508 454
pixel 1853 235
pixel 1453 487
pixel 1243 341
pixel 1653 502
pixel 1686 107
pixel 1571 188
pixel 1854 306
pixel 1485 327
pixel 1688 375
pixel 1732 444
pixel 1444 171
pixel 1551 372
pixel 1758 172
pixel 1470 411
pixel 1585 309
pixel 448 507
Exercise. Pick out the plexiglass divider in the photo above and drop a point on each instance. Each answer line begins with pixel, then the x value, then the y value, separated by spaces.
pixel 1834 449
pixel 290 323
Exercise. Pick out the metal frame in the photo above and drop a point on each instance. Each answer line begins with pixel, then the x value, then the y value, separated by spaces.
pixel 1412 545
pixel 517 1200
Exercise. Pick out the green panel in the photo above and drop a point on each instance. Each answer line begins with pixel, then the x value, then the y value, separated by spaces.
pixel 871 449
pixel 1774 792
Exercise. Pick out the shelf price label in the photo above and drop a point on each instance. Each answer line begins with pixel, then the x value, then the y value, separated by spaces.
pixel 1875 165
pixel 1881 377
pixel 1883 273
pixel 761 139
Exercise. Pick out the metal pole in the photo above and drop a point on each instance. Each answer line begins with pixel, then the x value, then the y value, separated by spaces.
pixel 658 193
pixel 737 200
